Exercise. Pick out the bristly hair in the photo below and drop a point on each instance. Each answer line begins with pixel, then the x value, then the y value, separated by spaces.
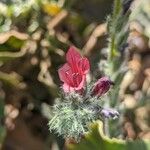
pixel 73 113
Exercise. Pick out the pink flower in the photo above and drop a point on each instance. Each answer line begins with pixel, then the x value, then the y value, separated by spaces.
pixel 101 86
pixel 73 73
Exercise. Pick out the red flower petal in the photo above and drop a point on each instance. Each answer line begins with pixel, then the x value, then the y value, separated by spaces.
pixel 84 65
pixel 65 74
pixel 73 73
pixel 79 88
pixel 77 78
pixel 82 83
pixel 73 58
pixel 67 88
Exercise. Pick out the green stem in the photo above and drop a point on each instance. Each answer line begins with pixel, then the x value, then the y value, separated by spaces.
pixel 116 11
pixel 117 8
pixel 112 46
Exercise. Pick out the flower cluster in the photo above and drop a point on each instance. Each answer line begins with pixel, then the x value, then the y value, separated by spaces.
pixel 80 103
pixel 73 75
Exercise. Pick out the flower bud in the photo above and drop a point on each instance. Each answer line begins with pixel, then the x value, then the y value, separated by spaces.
pixel 101 86
pixel 109 113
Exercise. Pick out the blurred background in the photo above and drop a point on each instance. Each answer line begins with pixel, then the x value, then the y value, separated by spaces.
pixel 34 37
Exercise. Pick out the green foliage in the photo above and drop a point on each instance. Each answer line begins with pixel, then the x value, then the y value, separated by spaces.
pixel 2 128
pixel 96 140
pixel 116 64
pixel 72 115
pixel 11 79
pixel 11 45
pixel 73 112
pixel 117 28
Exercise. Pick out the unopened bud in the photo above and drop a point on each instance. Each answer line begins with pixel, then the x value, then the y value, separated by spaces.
pixel 109 113
pixel 101 86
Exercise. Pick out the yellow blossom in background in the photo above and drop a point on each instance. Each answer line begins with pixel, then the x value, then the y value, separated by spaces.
pixel 52 8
